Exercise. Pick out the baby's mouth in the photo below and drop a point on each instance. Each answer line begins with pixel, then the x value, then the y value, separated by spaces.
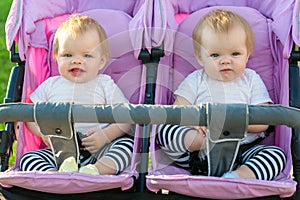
pixel 225 70
pixel 76 71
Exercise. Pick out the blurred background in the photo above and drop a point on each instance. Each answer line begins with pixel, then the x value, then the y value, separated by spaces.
pixel 5 63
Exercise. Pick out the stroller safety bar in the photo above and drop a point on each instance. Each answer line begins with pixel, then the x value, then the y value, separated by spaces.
pixel 154 114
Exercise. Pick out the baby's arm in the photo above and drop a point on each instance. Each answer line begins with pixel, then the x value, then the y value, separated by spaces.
pixel 257 128
pixel 181 101
pixel 195 138
pixel 97 137
pixel 251 128
pixel 115 131
pixel 33 128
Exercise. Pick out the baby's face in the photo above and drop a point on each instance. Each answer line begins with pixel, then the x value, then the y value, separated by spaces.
pixel 224 55
pixel 80 59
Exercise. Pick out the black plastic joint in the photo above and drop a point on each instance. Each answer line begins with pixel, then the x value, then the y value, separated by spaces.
pixel 156 54
pixel 145 56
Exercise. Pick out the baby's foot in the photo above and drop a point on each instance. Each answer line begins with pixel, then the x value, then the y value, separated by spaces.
pixel 89 169
pixel 230 174
pixel 69 165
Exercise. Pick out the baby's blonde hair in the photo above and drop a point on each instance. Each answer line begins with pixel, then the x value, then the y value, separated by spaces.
pixel 78 25
pixel 222 21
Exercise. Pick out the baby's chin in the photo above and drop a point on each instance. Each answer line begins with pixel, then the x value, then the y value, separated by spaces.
pixel 226 77
pixel 76 79
pixel 223 79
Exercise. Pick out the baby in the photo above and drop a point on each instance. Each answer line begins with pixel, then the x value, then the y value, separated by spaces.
pixel 81 49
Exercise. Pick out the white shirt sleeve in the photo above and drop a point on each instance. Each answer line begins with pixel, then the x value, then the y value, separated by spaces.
pixel 259 92
pixel 112 92
pixel 40 93
pixel 188 87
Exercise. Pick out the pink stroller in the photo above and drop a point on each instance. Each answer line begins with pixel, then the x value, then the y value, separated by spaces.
pixel 275 24
pixel 32 25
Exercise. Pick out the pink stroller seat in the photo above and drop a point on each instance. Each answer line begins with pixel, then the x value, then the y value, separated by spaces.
pixel 34 34
pixel 269 59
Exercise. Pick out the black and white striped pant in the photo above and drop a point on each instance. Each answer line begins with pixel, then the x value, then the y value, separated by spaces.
pixel 119 150
pixel 265 161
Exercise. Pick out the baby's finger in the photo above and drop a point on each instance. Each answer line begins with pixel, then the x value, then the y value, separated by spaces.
pixel 91 131
pixel 91 149
pixel 87 139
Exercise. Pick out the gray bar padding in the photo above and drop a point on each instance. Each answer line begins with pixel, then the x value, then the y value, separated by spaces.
pixel 140 114
pixel 227 121
pixel 226 127
pixel 56 123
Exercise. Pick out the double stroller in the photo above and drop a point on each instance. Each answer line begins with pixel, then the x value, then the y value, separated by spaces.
pixel 151 53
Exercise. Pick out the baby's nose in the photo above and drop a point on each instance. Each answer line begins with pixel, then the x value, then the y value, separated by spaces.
pixel 77 60
pixel 225 60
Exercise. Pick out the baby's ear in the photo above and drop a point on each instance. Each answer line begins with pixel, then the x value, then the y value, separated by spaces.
pixel 248 57
pixel 198 58
pixel 102 62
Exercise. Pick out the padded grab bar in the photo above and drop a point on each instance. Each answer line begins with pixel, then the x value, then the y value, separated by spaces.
pixel 154 114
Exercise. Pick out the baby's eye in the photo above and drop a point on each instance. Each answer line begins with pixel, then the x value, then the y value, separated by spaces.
pixel 214 55
pixel 67 55
pixel 88 55
pixel 236 53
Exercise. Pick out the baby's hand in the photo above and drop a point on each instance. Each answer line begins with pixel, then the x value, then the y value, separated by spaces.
pixel 95 140
pixel 201 130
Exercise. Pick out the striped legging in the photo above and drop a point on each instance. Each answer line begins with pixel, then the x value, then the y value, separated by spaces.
pixel 265 161
pixel 119 150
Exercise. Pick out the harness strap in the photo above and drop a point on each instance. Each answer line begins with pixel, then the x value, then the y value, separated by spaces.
pixel 57 124
pixel 226 126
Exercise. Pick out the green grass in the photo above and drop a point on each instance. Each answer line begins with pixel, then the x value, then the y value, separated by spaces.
pixel 5 64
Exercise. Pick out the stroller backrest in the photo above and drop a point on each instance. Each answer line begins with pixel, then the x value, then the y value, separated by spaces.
pixel 24 14
pixel 173 12
pixel 32 24
pixel 122 66
pixel 262 60
pixel 269 60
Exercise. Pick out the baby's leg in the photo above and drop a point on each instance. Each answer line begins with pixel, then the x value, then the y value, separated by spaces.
pixel 106 165
pixel 261 162
pixel 115 157
pixel 265 161
pixel 38 160
pixel 178 141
